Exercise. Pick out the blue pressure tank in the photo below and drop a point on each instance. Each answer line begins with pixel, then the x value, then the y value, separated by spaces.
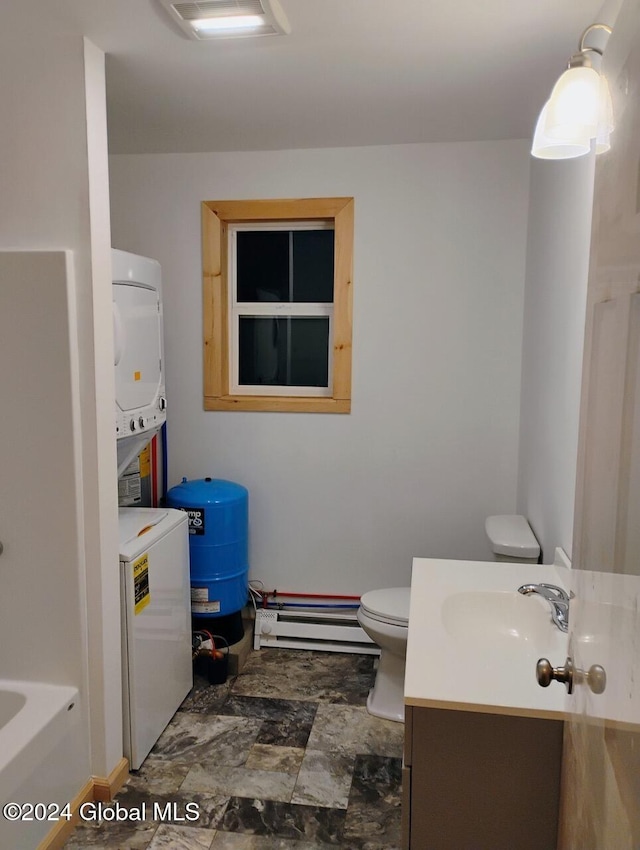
pixel 218 544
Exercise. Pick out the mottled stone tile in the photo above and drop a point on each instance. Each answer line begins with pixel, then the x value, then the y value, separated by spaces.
pixel 241 841
pixel 200 737
pixel 172 808
pixel 343 678
pixel 372 844
pixel 205 698
pixel 112 836
pixel 287 732
pixel 268 708
pixel 324 779
pixel 239 782
pixel 284 820
pixel 377 780
pixel 270 757
pixel 286 722
pixel 181 838
pixel 158 776
pixel 351 729
pixel 256 729
pixel 373 819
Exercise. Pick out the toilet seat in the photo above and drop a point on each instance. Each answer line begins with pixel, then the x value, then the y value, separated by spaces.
pixel 390 605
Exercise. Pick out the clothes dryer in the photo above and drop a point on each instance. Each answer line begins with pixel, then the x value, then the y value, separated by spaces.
pixel 138 353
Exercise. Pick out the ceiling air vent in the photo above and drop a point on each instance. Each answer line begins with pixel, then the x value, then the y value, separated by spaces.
pixel 212 19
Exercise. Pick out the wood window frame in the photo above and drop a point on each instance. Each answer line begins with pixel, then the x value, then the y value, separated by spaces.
pixel 216 218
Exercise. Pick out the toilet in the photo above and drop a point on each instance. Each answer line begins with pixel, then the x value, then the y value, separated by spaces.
pixel 384 614
pixel 512 539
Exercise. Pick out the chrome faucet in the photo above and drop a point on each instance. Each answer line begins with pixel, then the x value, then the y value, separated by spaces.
pixel 556 597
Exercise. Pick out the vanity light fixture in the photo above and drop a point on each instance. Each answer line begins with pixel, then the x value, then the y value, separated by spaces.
pixel 579 109
pixel 214 19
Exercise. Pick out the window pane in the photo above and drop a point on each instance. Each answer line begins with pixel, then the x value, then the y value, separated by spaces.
pixel 285 265
pixel 313 265
pixel 286 352
pixel 263 265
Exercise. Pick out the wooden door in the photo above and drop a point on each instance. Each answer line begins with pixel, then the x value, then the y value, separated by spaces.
pixel 600 806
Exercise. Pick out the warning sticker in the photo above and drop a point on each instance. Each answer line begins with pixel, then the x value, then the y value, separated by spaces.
pixel 145 461
pixel 141 582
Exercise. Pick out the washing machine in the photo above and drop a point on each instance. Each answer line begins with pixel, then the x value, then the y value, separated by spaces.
pixel 155 597
pixel 141 404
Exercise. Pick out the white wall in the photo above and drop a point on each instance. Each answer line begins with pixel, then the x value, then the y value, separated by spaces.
pixel 45 190
pixel 41 514
pixel 560 207
pixel 342 503
pixel 101 521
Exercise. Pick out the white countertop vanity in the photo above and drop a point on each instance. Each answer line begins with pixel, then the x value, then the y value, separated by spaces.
pixel 483 741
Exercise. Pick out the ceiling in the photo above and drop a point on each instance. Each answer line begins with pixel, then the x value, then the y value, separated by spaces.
pixel 352 72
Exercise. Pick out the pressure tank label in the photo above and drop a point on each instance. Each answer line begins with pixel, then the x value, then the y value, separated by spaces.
pixel 200 603
pixel 196 519
pixel 141 583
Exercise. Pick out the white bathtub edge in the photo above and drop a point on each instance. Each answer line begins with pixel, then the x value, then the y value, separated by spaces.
pixel 28 738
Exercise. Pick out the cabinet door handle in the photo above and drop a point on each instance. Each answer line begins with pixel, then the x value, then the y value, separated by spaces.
pixel 595 677
pixel 546 673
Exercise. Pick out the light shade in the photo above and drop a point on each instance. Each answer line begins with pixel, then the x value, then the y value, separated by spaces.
pixel 605 118
pixel 546 147
pixel 573 107
pixel 603 142
pixel 579 110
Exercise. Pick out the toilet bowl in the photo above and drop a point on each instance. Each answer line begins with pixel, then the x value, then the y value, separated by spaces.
pixel 384 615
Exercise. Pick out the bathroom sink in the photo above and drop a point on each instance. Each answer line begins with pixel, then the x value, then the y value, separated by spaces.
pixel 474 641
pixel 497 616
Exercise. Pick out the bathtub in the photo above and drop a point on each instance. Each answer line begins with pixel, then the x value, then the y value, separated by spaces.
pixel 39 735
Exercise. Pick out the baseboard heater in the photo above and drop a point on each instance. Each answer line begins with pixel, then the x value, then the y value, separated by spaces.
pixel 328 631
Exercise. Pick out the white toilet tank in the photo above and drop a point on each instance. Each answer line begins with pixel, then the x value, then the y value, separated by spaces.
pixel 512 539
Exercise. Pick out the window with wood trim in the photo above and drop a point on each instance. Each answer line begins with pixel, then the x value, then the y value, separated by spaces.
pixel 277 278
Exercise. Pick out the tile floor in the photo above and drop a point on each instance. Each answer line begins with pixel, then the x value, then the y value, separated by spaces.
pixel 283 757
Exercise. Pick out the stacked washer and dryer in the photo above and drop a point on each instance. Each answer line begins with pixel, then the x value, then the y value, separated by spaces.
pixel 138 353
pixel 154 543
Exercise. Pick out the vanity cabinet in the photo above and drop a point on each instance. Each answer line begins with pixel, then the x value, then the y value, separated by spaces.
pixel 480 781
pixel 483 742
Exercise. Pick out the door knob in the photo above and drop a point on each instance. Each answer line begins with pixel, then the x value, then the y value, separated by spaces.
pixel 595 677
pixel 546 674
